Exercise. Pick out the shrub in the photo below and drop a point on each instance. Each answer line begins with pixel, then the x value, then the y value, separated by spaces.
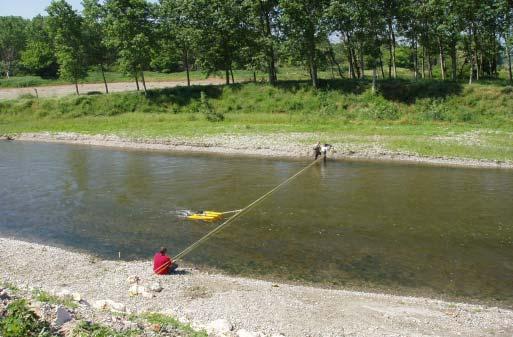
pixel 20 321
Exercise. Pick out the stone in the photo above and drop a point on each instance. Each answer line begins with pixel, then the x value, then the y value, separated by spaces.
pixel 76 297
pixel 109 305
pixel 133 279
pixel 246 333
pixel 277 335
pixel 155 287
pixel 147 294
pixel 220 326
pixel 62 315
pixel 137 290
pixel 4 295
pixel 64 293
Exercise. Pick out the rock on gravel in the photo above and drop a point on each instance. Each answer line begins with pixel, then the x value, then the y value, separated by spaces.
pixel 62 315
pixel 109 305
pixel 218 327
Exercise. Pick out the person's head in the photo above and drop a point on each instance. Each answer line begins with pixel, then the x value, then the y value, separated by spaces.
pixel 163 250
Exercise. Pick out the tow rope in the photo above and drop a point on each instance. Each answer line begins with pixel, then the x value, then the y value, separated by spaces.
pixel 239 213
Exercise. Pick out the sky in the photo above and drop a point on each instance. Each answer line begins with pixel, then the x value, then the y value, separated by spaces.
pixel 30 8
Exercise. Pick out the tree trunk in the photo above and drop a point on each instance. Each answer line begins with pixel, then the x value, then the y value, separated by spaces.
pixel 331 54
pixel 136 80
pixel 143 81
pixel 350 69
pixel 392 47
pixel 254 76
pixel 266 21
pixel 510 72
pixel 374 79
pixel 76 87
pixel 227 75
pixel 442 58
pixel 430 66
pixel 454 61
pixel 231 73
pixel 186 61
pixel 362 63
pixel 423 62
pixel 104 79
pixel 381 66
pixel 415 60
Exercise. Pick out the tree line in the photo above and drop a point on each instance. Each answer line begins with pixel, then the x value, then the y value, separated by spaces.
pixel 453 38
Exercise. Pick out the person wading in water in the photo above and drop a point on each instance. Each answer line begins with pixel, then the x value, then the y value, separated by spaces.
pixel 322 150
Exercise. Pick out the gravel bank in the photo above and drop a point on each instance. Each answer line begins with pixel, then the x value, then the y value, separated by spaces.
pixel 201 298
pixel 290 145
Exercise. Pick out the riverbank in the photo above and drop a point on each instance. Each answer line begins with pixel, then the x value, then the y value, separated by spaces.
pixel 200 298
pixel 290 145
pixel 428 121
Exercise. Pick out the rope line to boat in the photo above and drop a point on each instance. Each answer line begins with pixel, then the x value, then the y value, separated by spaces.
pixel 239 213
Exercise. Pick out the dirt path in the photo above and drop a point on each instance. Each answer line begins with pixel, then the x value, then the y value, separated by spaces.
pixel 63 90
pixel 201 298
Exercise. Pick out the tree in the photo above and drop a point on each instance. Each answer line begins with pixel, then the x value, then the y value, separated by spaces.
pixel 38 56
pixel 66 30
pixel 129 29
pixel 178 35
pixel 13 39
pixel 94 31
pixel 305 25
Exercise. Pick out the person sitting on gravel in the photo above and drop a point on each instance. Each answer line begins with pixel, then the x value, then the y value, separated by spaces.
pixel 163 264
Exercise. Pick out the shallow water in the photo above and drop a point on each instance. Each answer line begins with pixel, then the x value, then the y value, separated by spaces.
pixel 407 228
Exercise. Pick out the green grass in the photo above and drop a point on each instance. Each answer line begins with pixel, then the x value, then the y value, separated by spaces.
pixel 431 118
pixel 45 297
pixel 168 321
pixel 20 321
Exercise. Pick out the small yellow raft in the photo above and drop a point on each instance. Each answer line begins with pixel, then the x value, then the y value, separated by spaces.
pixel 206 216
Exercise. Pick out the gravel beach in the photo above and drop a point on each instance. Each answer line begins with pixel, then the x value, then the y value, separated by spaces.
pixel 200 298
pixel 285 145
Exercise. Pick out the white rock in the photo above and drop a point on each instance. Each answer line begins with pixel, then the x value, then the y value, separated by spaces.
pixel 246 333
pixel 137 290
pixel 277 335
pixel 62 316
pixel 133 279
pixel 155 287
pixel 220 326
pixel 76 297
pixel 109 305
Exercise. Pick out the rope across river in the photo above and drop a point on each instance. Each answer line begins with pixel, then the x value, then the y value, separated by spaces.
pixel 238 214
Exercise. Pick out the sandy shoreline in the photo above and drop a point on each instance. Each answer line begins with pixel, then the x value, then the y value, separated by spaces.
pixel 286 145
pixel 199 298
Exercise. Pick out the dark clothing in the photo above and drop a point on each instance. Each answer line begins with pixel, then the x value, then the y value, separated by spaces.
pixel 317 151
pixel 172 268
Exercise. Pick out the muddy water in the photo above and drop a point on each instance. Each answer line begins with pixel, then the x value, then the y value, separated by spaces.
pixel 402 228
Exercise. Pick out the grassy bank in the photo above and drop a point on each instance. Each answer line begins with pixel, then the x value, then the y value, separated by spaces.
pixel 430 118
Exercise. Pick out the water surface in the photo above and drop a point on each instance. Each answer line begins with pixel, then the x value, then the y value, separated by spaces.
pixel 414 229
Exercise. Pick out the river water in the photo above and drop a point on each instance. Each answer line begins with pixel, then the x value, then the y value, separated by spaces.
pixel 400 228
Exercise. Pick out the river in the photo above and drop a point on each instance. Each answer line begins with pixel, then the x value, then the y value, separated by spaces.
pixel 399 228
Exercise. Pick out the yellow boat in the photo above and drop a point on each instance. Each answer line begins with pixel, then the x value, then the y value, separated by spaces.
pixel 206 216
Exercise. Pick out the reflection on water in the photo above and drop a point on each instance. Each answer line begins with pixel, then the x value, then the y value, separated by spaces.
pixel 428 229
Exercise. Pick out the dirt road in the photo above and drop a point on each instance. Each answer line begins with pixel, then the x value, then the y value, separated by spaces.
pixel 63 90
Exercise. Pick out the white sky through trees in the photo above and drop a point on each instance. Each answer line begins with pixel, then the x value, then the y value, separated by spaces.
pixel 30 8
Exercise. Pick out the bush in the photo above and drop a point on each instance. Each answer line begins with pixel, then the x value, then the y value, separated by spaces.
pixel 20 321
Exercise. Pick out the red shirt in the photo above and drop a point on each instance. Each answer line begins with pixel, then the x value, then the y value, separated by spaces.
pixel 161 263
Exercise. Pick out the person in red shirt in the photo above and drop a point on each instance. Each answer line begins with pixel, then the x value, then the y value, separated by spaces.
pixel 163 264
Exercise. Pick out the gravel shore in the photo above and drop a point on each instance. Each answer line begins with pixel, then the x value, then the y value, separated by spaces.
pixel 285 145
pixel 199 298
